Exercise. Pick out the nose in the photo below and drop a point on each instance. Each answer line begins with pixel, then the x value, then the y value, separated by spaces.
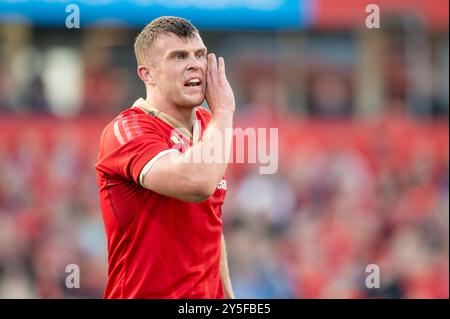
pixel 195 64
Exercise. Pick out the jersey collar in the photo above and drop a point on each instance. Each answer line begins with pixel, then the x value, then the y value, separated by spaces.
pixel 166 118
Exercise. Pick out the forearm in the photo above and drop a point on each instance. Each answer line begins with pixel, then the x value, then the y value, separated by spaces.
pixel 225 274
pixel 213 151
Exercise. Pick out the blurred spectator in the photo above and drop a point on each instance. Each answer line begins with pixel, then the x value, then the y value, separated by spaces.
pixel 36 96
pixel 5 87
pixel 330 95
pixel 106 88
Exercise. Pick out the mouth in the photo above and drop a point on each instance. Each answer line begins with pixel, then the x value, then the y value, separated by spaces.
pixel 193 82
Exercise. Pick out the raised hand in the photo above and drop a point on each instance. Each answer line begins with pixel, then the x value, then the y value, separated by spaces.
pixel 219 94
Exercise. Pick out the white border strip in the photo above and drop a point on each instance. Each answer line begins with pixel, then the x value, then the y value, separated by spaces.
pixel 152 162
pixel 117 133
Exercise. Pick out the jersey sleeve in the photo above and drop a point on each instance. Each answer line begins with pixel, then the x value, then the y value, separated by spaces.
pixel 130 147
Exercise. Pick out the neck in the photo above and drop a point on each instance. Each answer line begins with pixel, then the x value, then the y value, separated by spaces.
pixel 183 115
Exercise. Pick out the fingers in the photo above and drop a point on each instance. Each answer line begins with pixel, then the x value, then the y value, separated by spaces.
pixel 216 68
pixel 212 66
pixel 218 94
pixel 221 68
pixel 209 76
pixel 221 64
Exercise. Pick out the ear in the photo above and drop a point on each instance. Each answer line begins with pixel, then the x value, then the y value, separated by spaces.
pixel 146 74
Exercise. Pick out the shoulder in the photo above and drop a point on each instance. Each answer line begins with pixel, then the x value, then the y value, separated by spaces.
pixel 129 125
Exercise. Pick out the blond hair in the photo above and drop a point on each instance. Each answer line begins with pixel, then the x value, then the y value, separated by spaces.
pixel 162 25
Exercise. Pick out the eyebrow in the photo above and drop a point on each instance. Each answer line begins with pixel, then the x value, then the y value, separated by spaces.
pixel 176 52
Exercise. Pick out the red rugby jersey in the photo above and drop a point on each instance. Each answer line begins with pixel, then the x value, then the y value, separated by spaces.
pixel 158 247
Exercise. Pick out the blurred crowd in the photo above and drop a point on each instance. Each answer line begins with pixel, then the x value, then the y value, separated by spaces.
pixel 334 208
pixel 49 211
pixel 308 231
pixel 362 176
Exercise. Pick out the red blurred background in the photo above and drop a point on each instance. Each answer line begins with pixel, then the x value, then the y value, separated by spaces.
pixel 363 167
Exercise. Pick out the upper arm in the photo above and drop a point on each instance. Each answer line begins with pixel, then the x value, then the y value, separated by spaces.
pixel 129 146
pixel 137 150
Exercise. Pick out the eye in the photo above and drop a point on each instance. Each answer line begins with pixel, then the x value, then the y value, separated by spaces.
pixel 179 56
pixel 200 55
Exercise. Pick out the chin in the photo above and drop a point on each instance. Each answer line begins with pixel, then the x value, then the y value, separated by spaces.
pixel 191 102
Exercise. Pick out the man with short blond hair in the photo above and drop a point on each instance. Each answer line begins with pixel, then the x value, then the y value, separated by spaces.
pixel 161 208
